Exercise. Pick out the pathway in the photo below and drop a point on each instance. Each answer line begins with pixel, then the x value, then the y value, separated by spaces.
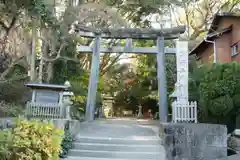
pixel 117 140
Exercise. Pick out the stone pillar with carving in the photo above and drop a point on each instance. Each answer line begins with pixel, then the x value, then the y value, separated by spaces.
pixel 180 93
pixel 182 71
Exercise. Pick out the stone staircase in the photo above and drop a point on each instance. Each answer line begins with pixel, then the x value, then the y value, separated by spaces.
pixel 103 148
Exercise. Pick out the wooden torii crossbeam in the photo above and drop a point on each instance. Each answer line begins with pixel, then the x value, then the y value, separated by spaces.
pixel 128 33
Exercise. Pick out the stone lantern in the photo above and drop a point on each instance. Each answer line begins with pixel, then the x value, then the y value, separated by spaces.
pixel 67 99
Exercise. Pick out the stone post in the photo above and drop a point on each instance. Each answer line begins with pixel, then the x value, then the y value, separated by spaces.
pixel 140 115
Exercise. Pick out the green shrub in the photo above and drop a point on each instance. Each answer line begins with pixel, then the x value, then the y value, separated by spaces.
pixel 31 140
pixel 216 88
pixel 14 92
pixel 10 109
pixel 67 142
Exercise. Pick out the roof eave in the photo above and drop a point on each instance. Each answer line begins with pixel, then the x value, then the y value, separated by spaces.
pixel 211 36
pixel 46 86
pixel 217 18
pixel 195 48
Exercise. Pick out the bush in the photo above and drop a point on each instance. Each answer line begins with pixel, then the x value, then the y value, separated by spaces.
pixel 14 92
pixel 10 109
pixel 67 142
pixel 217 90
pixel 31 140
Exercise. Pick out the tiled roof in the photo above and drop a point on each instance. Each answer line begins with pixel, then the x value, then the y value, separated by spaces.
pixel 211 32
pixel 49 86
pixel 203 44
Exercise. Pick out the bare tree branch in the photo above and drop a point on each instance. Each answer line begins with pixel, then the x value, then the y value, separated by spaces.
pixel 111 64
pixel 59 56
pixel 3 25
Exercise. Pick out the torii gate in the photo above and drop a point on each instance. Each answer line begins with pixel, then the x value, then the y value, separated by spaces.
pixel 129 33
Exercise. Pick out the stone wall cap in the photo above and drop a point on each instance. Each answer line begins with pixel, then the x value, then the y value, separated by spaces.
pixel 180 124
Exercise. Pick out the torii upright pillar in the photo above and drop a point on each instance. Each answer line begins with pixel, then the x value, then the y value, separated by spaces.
pixel 162 86
pixel 93 80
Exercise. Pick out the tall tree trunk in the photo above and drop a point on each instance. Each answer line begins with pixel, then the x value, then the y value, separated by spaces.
pixel 40 74
pixel 49 72
pixel 33 54
pixel 44 53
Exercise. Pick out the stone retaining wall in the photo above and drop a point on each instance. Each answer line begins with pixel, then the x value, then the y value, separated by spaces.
pixel 74 125
pixel 194 141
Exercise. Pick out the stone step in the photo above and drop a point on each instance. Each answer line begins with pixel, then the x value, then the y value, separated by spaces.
pixel 126 141
pixel 117 147
pixel 115 154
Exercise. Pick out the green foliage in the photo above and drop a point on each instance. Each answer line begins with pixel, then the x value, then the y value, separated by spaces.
pixel 14 92
pixel 31 140
pixel 217 90
pixel 195 78
pixel 10 109
pixel 136 9
pixel 67 142
pixel 80 88
pixel 36 8
pixel 145 87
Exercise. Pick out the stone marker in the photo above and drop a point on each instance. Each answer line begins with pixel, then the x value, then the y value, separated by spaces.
pixel 140 115
pixel 184 141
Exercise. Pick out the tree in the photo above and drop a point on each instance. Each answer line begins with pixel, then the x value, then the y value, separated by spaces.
pixel 15 42
pixel 198 15
pixel 15 25
pixel 14 37
pixel 143 85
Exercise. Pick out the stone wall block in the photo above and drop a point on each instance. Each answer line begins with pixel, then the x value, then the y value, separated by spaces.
pixel 190 141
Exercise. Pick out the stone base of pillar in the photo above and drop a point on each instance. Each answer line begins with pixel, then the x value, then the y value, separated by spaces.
pixel 193 141
pixel 101 113
pixel 139 116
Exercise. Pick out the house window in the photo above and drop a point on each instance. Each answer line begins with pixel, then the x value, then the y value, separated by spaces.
pixel 235 49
